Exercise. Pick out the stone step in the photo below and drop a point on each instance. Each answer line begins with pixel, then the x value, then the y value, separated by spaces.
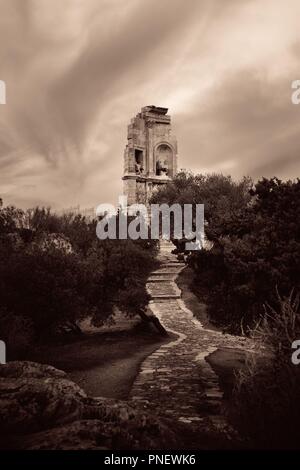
pixel 170 270
pixel 163 290
pixel 174 263
pixel 165 246
pixel 164 242
pixel 165 296
pixel 162 287
pixel 161 277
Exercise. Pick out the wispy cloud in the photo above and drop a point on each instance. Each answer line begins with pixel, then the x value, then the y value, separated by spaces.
pixel 78 70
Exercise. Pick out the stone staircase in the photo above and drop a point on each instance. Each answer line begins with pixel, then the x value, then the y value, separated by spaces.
pixel 163 289
pixel 161 283
pixel 176 381
pixel 165 246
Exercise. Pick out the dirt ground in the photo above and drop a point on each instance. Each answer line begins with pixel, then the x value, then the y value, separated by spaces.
pixel 198 308
pixel 103 364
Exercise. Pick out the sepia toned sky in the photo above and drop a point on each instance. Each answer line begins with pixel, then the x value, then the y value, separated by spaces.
pixel 76 71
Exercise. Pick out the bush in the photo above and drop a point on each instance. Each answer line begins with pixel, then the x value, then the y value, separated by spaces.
pixel 17 332
pixel 43 286
pixel 256 249
pixel 54 272
pixel 265 403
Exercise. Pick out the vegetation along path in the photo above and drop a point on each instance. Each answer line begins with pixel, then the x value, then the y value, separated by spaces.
pixel 176 381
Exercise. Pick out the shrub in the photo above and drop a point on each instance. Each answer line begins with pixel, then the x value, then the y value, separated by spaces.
pixel 17 332
pixel 256 249
pixel 58 272
pixel 43 286
pixel 265 403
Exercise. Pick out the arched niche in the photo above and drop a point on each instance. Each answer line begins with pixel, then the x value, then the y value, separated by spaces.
pixel 164 160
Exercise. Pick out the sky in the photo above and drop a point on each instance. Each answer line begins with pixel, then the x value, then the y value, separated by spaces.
pixel 77 71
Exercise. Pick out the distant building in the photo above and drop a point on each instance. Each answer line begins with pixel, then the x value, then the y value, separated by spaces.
pixel 150 158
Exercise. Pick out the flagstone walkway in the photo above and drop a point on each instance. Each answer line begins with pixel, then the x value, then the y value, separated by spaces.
pixel 176 381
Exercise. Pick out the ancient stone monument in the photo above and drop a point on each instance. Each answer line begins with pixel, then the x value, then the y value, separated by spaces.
pixel 150 157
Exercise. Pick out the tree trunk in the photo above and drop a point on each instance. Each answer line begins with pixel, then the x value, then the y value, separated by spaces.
pixel 155 321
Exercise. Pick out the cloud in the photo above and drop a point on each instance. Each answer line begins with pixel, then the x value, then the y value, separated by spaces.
pixel 247 126
pixel 75 77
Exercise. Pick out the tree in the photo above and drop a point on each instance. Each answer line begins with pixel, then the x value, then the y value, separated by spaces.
pixel 62 273
pixel 222 197
pixel 255 232
pixel 258 251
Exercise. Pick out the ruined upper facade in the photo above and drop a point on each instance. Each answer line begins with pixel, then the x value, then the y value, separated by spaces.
pixel 150 157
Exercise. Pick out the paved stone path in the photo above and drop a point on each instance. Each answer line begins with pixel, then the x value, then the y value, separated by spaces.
pixel 176 381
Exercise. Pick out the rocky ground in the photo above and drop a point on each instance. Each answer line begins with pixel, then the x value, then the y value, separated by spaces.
pixel 41 409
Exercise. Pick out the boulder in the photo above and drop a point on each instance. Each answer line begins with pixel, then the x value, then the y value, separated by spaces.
pixel 41 409
pixel 23 369
pixel 35 396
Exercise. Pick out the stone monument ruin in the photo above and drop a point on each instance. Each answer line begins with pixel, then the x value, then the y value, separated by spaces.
pixel 150 158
